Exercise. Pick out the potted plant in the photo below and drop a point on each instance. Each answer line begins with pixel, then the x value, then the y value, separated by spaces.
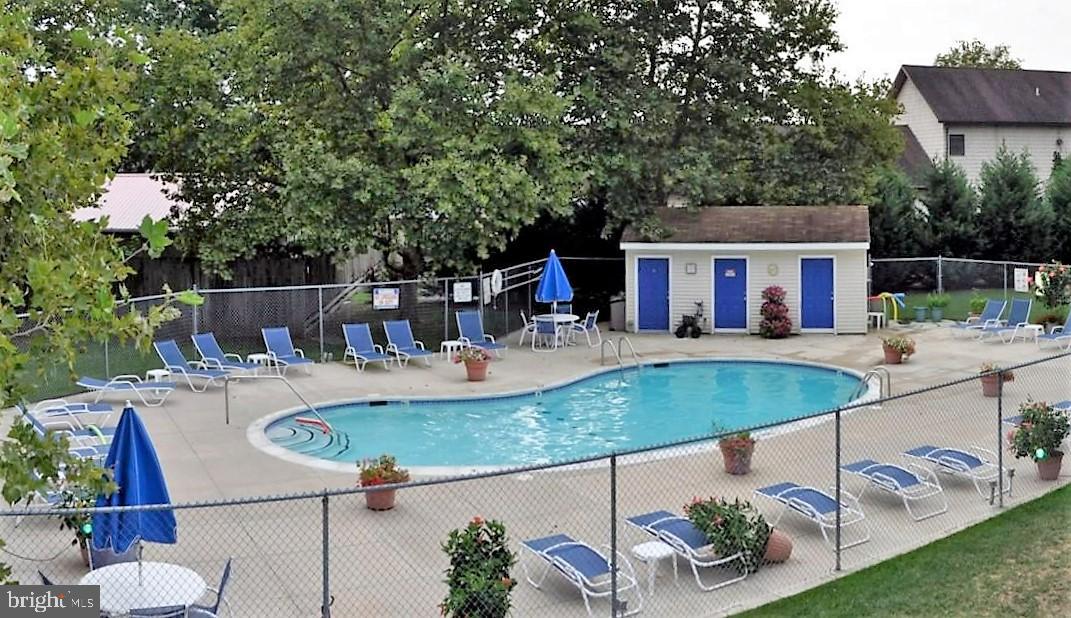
pixel 1052 284
pixel 737 526
pixel 1039 436
pixel 897 348
pixel 479 578
pixel 383 470
pixel 937 304
pixel 920 313
pixel 991 375
pixel 736 452
pixel 976 305
pixel 476 361
pixel 775 322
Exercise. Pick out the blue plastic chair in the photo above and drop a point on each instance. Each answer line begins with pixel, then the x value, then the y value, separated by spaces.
pixel 583 566
pixel 361 348
pixel 281 350
pixel 470 325
pixel 689 543
pixel 990 316
pixel 910 485
pixel 819 507
pixel 211 611
pixel 175 362
pixel 401 344
pixel 213 356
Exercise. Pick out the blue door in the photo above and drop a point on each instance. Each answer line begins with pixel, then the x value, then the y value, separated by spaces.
pixel 730 293
pixel 816 295
pixel 652 275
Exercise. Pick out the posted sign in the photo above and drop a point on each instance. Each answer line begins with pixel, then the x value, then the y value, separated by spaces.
pixel 1022 277
pixel 385 298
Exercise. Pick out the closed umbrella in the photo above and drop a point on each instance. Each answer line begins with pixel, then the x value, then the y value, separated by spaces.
pixel 553 285
pixel 137 472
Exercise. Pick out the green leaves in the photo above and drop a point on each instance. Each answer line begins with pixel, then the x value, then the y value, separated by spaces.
pixel 190 298
pixel 155 235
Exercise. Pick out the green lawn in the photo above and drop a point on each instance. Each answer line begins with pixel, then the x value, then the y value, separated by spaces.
pixel 1016 564
pixel 959 302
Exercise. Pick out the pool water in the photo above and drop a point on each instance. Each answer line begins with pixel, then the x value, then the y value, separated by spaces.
pixel 618 410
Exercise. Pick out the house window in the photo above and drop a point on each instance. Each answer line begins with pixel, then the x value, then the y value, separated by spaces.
pixel 956 145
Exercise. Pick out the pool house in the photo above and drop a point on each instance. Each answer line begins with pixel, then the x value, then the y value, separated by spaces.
pixel 725 256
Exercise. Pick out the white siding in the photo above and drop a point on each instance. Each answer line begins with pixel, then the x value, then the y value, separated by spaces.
pixel 850 285
pixel 982 142
pixel 923 122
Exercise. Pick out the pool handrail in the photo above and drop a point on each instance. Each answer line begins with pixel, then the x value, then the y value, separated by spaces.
pixel 227 398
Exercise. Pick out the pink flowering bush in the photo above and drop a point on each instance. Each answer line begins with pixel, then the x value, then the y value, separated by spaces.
pixel 775 321
pixel 1052 284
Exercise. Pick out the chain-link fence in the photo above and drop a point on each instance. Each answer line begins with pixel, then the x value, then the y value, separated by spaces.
pixel 602 536
pixel 315 314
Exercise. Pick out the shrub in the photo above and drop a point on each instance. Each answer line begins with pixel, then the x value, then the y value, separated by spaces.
pixel 382 471
pixel 732 527
pixel 977 302
pixel 775 321
pixel 479 575
pixel 900 343
pixel 1041 432
pixel 1052 284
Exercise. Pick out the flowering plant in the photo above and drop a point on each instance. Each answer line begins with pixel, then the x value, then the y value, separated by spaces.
pixel 731 527
pixel 775 321
pixel 471 354
pixel 1052 284
pixel 478 578
pixel 739 443
pixel 991 368
pixel 383 470
pixel 900 343
pixel 1042 430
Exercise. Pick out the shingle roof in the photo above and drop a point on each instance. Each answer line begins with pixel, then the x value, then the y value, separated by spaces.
pixel 126 200
pixel 760 224
pixel 960 95
pixel 913 161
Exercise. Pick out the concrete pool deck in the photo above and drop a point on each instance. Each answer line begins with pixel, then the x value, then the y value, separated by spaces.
pixel 390 564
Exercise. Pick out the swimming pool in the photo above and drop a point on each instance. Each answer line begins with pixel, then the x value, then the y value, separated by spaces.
pixel 616 410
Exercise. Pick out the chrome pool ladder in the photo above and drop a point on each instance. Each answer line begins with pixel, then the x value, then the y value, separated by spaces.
pixel 884 378
pixel 227 398
pixel 616 349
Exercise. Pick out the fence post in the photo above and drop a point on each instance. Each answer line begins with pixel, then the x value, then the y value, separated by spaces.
pixel 325 610
pixel 320 312
pixel 839 499
pixel 446 309
pixel 1005 280
pixel 196 320
pixel 614 601
pixel 940 276
pixel 1000 445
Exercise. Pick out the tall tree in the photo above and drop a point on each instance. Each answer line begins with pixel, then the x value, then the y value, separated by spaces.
pixel 1058 199
pixel 1013 222
pixel 975 53
pixel 950 210
pixel 897 227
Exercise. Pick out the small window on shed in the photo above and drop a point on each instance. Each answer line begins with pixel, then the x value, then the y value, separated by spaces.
pixel 957 146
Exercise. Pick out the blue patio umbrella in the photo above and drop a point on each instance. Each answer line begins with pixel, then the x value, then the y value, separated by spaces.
pixel 137 472
pixel 553 286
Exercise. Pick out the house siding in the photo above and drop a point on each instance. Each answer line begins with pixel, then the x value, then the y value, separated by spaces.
pixel 923 122
pixel 981 143
pixel 850 284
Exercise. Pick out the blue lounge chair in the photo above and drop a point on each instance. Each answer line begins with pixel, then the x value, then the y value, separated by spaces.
pixel 975 463
pixel 689 543
pixel 470 325
pixel 910 486
pixel 1059 334
pixel 150 393
pixel 169 611
pixel 990 316
pixel 212 611
pixel 1018 318
pixel 819 507
pixel 213 356
pixel 361 348
pixel 281 350
pixel 89 440
pixel 175 362
pixel 583 566
pixel 401 344
pixel 76 412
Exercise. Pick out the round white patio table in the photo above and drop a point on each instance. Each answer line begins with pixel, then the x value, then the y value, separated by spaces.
pixel 162 585
pixel 558 319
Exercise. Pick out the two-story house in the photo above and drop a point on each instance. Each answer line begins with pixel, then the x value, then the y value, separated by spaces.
pixel 965 114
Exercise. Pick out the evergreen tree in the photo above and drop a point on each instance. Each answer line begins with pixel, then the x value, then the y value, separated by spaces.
pixel 897 227
pixel 1058 199
pixel 950 206
pixel 1013 222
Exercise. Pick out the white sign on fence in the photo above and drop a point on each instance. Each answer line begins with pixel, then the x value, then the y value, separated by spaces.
pixel 385 298
pixel 1022 276
pixel 463 292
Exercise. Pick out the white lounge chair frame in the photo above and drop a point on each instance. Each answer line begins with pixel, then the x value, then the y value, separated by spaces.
pixel 528 329
pixel 695 560
pixel 981 476
pixel 557 337
pixel 497 350
pixel 71 411
pixel 589 589
pixel 851 513
pixel 402 356
pixel 215 363
pixel 582 327
pixel 135 385
pixel 908 495
pixel 360 361
pixel 184 372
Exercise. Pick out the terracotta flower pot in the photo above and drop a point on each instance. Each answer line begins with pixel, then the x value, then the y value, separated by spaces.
pixel 892 355
pixel 382 500
pixel 1049 469
pixel 477 370
pixel 737 461
pixel 778 548
pixel 990 386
